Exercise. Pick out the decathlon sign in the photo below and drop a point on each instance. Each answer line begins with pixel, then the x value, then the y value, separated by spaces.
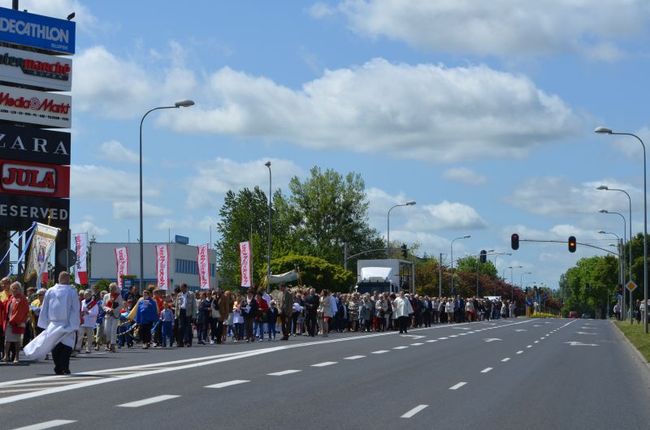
pixel 35 107
pixel 35 70
pixel 34 179
pixel 37 31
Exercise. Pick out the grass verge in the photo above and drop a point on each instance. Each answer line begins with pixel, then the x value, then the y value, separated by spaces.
pixel 636 335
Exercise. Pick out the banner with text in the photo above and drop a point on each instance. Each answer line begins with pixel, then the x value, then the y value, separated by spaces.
pixel 162 266
pixel 121 264
pixel 245 264
pixel 81 248
pixel 203 260
pixel 39 251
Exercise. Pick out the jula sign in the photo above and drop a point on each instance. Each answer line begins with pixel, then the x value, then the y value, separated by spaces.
pixel 34 179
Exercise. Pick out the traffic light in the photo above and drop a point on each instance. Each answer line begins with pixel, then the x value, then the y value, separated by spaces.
pixel 572 244
pixel 405 251
pixel 483 256
pixel 514 241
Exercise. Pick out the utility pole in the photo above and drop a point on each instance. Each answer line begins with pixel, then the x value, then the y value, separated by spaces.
pixel 440 276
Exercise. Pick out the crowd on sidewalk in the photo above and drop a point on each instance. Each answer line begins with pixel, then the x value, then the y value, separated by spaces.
pixel 111 320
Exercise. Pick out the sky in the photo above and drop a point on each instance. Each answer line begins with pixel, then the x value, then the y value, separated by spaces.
pixel 482 112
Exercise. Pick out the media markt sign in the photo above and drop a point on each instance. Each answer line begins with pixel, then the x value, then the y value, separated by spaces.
pixel 631 286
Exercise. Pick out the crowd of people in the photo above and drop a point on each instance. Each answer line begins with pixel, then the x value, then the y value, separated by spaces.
pixel 111 320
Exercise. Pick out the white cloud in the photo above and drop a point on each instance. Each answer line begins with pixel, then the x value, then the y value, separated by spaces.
pixel 557 196
pixel 88 226
pixel 503 28
pixel 628 145
pixel 214 178
pixel 464 175
pixel 500 114
pixel 131 209
pixel 321 10
pixel 96 182
pixel 115 151
pixel 429 243
pixel 109 86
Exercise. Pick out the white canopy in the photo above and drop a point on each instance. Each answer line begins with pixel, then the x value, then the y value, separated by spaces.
pixel 375 273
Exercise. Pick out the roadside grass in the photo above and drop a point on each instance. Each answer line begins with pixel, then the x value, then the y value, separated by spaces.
pixel 636 335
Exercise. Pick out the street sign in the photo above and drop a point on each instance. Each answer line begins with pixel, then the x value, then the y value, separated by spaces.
pixel 631 286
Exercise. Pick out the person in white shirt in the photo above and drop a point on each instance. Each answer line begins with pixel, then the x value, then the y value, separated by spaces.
pixel 89 312
pixel 402 310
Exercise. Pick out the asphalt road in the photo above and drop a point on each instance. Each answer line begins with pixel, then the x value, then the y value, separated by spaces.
pixel 509 374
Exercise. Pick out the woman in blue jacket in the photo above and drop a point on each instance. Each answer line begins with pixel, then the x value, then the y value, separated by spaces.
pixel 146 316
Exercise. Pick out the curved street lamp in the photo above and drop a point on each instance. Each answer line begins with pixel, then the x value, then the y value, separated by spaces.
pixel 452 259
pixel 604 130
pixel 409 203
pixel 179 104
pixel 268 258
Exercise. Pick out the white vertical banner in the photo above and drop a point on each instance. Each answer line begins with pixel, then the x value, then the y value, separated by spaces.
pixel 162 266
pixel 122 264
pixel 203 260
pixel 245 264
pixel 81 249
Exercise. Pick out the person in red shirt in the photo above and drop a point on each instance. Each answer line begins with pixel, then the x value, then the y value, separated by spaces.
pixel 262 316
pixel 16 314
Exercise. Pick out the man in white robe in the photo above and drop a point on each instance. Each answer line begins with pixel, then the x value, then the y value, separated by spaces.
pixel 60 317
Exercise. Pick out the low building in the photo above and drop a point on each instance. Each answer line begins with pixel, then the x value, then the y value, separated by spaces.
pixel 183 266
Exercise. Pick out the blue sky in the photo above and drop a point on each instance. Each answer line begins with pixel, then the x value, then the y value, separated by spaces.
pixel 482 112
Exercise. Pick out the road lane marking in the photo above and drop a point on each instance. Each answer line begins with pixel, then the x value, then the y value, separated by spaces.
pixel 381 351
pixel 354 357
pixel 400 347
pixel 417 344
pixel 432 340
pixel 227 383
pixel 505 360
pixel 324 364
pixel 443 338
pixel 143 370
pixel 537 341
pixel 457 386
pixel 520 352
pixel 486 370
pixel 46 425
pixel 284 372
pixel 414 411
pixel 453 335
pixel 529 346
pixel 149 401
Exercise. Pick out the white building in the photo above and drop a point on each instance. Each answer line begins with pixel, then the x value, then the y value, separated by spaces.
pixel 183 266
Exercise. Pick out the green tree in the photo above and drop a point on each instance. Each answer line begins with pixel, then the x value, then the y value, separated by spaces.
pixel 328 210
pixel 586 287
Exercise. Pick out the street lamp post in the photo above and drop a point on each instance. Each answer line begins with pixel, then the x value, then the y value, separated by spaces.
pixel 409 203
pixel 452 260
pixel 621 259
pixel 512 280
pixel 268 257
pixel 603 130
pixel 182 103
pixel 521 278
pixel 629 255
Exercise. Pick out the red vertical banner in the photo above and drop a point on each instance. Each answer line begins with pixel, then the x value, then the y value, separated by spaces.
pixel 121 264
pixel 245 264
pixel 162 266
pixel 203 260
pixel 81 248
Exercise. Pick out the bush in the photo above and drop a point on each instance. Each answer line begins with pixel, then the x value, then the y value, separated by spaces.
pixel 542 315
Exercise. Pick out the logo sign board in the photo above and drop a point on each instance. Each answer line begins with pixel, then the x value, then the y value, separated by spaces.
pixel 34 144
pixel 631 286
pixel 35 107
pixel 19 212
pixel 35 70
pixel 50 180
pixel 37 31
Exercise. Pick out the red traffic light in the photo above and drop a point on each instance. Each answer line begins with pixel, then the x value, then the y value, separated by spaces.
pixel 572 244
pixel 514 241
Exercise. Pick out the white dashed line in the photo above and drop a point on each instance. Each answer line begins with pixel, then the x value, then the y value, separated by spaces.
pixel 432 340
pixel 381 351
pixel 486 370
pixel 529 346
pixel 324 364
pixel 505 360
pixel 149 401
pixel 400 347
pixel 453 335
pixel 457 386
pixel 443 338
pixel 417 344
pixel 520 352
pixel 227 383
pixel 414 411
pixel 354 357
pixel 46 425
pixel 537 341
pixel 284 372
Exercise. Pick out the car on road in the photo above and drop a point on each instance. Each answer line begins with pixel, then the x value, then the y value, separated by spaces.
pixel 573 314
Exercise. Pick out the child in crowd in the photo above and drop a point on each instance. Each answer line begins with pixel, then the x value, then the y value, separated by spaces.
pixel 272 315
pixel 167 321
